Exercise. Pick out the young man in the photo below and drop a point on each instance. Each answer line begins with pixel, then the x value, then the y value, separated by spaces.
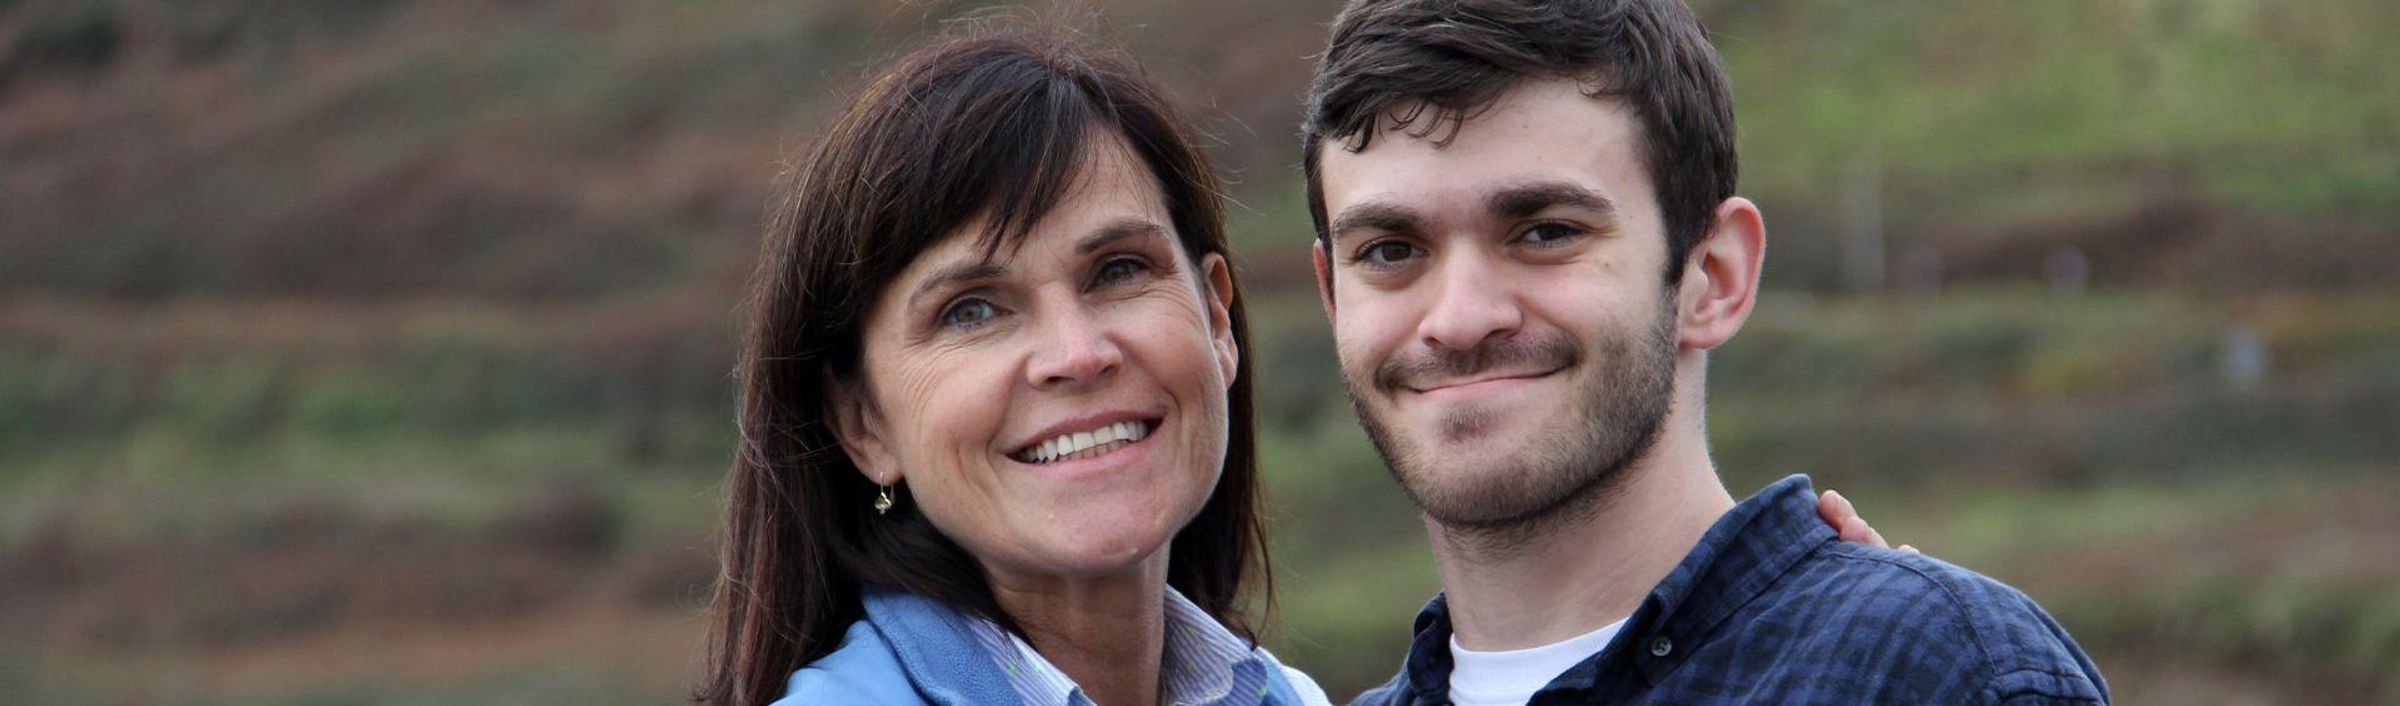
pixel 1527 242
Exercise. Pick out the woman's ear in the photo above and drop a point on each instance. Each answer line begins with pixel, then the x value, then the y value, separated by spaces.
pixel 861 429
pixel 1217 275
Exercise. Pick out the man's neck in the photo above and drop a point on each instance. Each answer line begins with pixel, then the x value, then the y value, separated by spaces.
pixel 1590 568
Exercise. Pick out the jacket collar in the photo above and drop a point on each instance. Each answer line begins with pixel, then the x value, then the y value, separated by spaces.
pixel 936 648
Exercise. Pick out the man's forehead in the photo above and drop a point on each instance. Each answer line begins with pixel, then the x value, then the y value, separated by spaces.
pixel 1538 132
pixel 1556 107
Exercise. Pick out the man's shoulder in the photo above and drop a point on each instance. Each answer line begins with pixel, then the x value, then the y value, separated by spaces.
pixel 1866 582
pixel 1391 693
pixel 1919 615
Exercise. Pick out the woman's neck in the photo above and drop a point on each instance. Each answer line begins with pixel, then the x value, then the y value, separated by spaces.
pixel 1108 633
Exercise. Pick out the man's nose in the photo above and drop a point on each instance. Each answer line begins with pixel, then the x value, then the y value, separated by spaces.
pixel 1473 302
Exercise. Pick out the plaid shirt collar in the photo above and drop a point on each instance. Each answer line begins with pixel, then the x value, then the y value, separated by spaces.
pixel 1739 557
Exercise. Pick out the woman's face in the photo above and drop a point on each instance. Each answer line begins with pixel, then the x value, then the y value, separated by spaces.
pixel 1058 409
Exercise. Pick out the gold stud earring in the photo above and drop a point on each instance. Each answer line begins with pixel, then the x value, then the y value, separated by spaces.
pixel 883 499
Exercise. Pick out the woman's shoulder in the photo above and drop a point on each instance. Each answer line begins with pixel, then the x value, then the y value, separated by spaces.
pixel 1304 688
pixel 862 671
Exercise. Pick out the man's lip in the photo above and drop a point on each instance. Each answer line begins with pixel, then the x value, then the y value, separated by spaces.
pixel 1446 385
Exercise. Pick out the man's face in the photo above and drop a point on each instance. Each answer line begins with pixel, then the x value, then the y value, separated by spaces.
pixel 1499 304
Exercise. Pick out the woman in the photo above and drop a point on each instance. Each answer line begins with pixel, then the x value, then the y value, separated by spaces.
pixel 996 426
pixel 994 404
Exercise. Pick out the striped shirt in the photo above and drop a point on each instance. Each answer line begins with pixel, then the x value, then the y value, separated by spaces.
pixel 1206 664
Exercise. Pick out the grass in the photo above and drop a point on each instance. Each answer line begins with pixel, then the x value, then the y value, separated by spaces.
pixel 2038 90
pixel 2253 568
pixel 440 145
pixel 1967 464
pixel 2085 449
pixel 519 231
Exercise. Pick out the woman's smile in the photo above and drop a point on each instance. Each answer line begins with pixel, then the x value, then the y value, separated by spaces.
pixel 1085 439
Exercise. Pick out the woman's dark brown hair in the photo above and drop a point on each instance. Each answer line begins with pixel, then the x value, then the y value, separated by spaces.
pixel 995 124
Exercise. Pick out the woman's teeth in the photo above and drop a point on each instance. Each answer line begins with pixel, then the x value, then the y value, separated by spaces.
pixel 1085 444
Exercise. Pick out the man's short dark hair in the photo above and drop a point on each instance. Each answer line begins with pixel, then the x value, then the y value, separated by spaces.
pixel 1430 65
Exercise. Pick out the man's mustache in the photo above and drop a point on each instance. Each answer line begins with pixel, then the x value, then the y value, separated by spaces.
pixel 1428 368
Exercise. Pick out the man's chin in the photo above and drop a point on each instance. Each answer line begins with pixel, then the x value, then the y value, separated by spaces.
pixel 1457 439
pixel 1469 447
pixel 1471 496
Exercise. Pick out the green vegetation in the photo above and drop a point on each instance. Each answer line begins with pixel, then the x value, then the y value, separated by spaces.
pixel 81 38
pixel 2169 520
pixel 379 352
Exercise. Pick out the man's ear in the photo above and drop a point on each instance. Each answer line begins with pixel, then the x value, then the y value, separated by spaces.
pixel 1720 277
pixel 1217 274
pixel 861 429
pixel 1324 276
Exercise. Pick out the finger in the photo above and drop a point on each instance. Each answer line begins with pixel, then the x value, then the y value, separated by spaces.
pixel 1835 508
pixel 1910 549
pixel 1856 531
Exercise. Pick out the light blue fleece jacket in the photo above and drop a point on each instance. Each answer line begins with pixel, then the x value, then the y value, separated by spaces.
pixel 913 650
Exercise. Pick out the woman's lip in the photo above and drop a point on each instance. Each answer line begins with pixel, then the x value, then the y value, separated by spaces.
pixel 1119 456
pixel 1089 422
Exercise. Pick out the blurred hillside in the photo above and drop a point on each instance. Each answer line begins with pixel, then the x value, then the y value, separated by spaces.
pixel 580 151
pixel 377 352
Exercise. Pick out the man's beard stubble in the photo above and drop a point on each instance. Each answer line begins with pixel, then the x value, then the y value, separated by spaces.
pixel 1568 471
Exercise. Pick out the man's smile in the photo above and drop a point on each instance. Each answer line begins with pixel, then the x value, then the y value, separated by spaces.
pixel 1480 386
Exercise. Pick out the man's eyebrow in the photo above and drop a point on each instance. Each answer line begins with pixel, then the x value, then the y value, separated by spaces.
pixel 1376 215
pixel 954 274
pixel 1117 230
pixel 1529 198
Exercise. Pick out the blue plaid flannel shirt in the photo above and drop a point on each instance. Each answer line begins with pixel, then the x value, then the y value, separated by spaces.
pixel 1771 607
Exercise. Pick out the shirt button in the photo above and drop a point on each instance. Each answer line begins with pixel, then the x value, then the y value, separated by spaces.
pixel 1660 646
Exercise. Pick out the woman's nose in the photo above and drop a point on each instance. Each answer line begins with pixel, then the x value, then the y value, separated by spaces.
pixel 1073 350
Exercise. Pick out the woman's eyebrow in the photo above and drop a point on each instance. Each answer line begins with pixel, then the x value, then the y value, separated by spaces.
pixel 964 272
pixel 953 274
pixel 1117 230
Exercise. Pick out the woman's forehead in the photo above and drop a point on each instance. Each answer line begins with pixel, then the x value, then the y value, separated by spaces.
pixel 1111 195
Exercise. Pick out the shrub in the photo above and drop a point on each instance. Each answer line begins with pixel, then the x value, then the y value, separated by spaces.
pixel 83 38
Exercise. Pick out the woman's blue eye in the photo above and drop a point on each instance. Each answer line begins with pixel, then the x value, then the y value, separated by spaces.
pixel 1118 270
pixel 968 312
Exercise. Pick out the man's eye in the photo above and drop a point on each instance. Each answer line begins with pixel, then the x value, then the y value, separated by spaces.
pixel 1387 253
pixel 967 313
pixel 1550 234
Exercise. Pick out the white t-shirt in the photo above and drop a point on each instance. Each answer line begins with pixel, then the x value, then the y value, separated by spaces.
pixel 1509 677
